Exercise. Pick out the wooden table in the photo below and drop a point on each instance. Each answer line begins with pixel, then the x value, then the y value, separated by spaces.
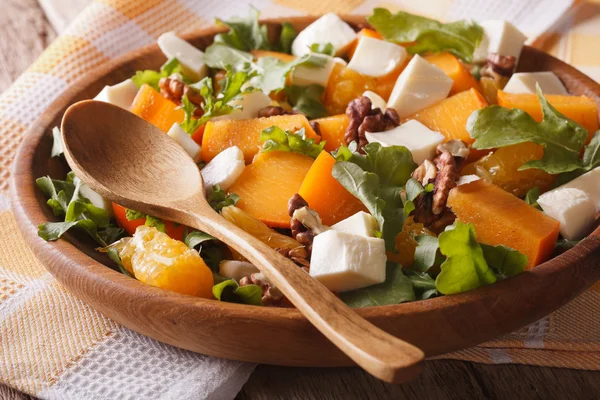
pixel 25 32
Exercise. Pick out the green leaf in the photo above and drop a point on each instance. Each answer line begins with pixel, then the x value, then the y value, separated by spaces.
pixel 50 231
pixel 563 245
pixel 57 145
pixel 344 153
pixel 155 222
pixel 194 238
pixel 591 160
pixel 425 252
pixel 532 196
pixel 151 77
pixel 396 289
pixel 219 199
pixel 244 33
pixel 219 56
pixel 424 285
pixel 465 267
pixel 323 48
pixel 276 139
pixel 562 138
pixel 460 38
pixel 376 179
pixel 113 254
pixel 59 193
pixel 132 215
pixel 413 189
pixel 288 34
pixel 81 208
pixel 503 259
pixel 307 100
pixel 231 292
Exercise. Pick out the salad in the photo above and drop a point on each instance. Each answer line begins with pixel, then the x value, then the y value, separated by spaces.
pixel 398 162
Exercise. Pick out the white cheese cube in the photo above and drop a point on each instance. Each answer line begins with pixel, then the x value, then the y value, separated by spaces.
pixel 121 94
pixel 361 223
pixel 224 169
pixel 236 269
pixel 375 57
pixel 96 199
pixel 342 261
pixel 190 58
pixel 419 139
pixel 463 180
pixel 184 140
pixel 589 183
pixel 376 100
pixel 419 86
pixel 499 37
pixel 251 103
pixel 305 75
pixel 524 82
pixel 328 29
pixel 573 208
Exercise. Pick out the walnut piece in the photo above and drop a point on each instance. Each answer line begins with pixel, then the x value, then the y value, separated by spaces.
pixel 271 296
pixel 272 111
pixel 425 172
pixel 362 118
pixel 445 180
pixel 305 222
pixel 299 255
pixel 173 88
pixel 502 65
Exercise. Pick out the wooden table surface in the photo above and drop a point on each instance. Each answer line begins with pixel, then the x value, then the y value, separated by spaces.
pixel 25 32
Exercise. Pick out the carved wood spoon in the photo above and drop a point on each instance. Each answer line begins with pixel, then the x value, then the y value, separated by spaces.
pixel 133 163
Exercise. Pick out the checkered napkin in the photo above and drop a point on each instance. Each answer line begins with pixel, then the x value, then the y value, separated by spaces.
pixel 54 346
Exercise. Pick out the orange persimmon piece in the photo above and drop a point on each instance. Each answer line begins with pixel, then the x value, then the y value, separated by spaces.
pixel 449 116
pixel 267 53
pixel 325 194
pixel 500 218
pixel 268 183
pixel 460 74
pixel 580 109
pixel 363 32
pixel 245 134
pixel 156 109
pixel 332 130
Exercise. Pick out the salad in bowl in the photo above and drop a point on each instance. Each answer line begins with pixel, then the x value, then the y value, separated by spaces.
pixel 397 162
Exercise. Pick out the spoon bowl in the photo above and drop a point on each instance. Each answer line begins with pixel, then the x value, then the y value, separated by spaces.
pixel 133 163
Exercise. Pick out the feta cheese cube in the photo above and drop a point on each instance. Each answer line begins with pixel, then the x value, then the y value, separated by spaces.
pixel 184 140
pixel 251 103
pixel 499 37
pixel 306 75
pixel 463 180
pixel 121 94
pixel 96 199
pixel 419 139
pixel 524 82
pixel 224 169
pixel 587 182
pixel 342 261
pixel 419 86
pixel 573 208
pixel 328 29
pixel 375 57
pixel 376 100
pixel 236 269
pixel 361 223
pixel 190 58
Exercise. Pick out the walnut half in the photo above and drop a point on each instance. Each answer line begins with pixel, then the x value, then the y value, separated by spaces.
pixel 362 118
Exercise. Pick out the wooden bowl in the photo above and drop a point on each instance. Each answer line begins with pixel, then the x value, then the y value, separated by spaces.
pixel 276 335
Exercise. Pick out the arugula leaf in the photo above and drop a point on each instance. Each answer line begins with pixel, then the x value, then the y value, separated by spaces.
pixel 50 231
pixel 307 100
pixel 425 252
pixel 151 77
pixel 323 48
pixel 344 153
pixel 376 179
pixel 460 38
pixel 503 259
pixel 231 292
pixel 132 215
pixel 424 285
pixel 219 199
pixel 465 267
pixel 562 138
pixel 57 145
pixel 276 139
pixel 396 289
pixel 244 33
pixel 532 196
pixel 591 160
pixel 59 193
pixel 113 254
pixel 194 238
pixel 288 34
pixel 563 245
pixel 156 223
pixel 413 190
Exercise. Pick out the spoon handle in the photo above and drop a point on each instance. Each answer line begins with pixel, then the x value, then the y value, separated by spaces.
pixel 381 354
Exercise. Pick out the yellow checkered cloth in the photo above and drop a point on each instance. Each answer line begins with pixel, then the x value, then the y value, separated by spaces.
pixel 54 346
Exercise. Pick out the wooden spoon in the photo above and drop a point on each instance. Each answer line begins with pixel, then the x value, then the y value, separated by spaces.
pixel 133 163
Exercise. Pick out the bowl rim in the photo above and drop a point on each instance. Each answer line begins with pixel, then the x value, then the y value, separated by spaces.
pixel 51 254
